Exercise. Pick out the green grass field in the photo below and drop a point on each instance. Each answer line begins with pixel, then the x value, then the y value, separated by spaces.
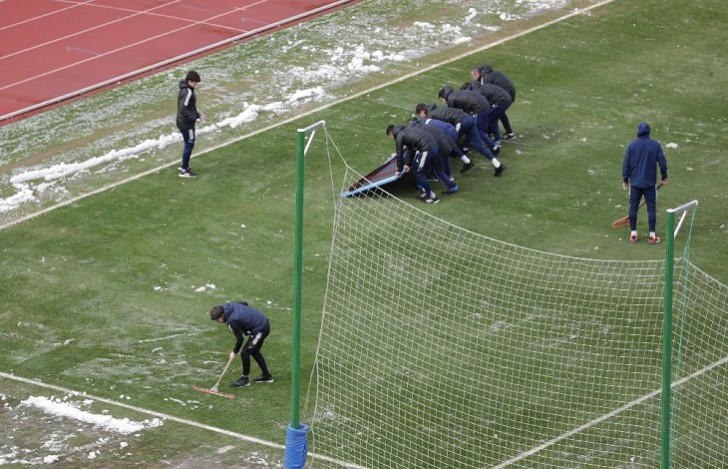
pixel 100 296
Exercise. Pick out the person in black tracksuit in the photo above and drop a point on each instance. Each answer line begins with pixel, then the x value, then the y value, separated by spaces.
pixel 475 104
pixel 453 136
pixel 416 149
pixel 187 117
pixel 500 100
pixel 243 320
pixel 446 147
pixel 486 74
pixel 465 125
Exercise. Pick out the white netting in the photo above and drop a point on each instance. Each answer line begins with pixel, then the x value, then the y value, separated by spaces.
pixel 440 347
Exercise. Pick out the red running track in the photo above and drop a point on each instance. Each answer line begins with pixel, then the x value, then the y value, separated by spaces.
pixel 54 50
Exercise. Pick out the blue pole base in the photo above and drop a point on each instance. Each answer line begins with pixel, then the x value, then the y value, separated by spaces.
pixel 296 447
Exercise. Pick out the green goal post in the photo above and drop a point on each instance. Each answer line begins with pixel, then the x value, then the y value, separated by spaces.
pixel 296 446
pixel 671 231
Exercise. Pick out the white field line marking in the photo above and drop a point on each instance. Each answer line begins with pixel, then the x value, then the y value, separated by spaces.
pixel 608 415
pixel 302 115
pixel 182 421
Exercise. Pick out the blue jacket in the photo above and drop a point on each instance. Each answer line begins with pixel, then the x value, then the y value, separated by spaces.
pixel 641 159
pixel 243 320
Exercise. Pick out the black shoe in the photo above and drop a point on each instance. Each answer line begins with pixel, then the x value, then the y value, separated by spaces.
pixel 264 379
pixel 499 170
pixel 431 200
pixel 187 173
pixel 495 150
pixel 241 383
pixel 509 136
pixel 467 167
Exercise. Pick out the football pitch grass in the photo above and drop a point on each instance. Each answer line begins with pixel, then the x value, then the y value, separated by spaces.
pixel 109 295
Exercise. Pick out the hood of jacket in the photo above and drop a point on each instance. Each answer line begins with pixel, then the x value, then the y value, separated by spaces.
pixel 397 129
pixel 643 129
pixel 183 84
pixel 486 68
pixel 445 92
pixel 227 310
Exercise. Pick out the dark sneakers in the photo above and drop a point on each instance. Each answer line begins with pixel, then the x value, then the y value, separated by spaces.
pixel 241 383
pixel 186 173
pixel 264 379
pixel 467 167
pixel 499 170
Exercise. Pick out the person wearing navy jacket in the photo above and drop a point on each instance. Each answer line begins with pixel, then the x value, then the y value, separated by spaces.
pixel 639 175
pixel 244 320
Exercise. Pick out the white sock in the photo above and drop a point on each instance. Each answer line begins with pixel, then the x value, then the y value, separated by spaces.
pixel 634 233
pixel 495 162
pixel 465 159
pixel 652 234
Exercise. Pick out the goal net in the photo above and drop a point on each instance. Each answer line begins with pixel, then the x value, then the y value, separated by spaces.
pixel 440 347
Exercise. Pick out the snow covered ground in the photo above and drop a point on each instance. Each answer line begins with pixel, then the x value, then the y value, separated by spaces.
pixel 99 141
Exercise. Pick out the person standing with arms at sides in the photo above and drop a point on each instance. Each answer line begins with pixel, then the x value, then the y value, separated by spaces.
pixel 639 175
pixel 187 117
pixel 244 320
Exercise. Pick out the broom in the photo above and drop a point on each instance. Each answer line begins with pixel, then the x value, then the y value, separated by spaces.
pixel 624 221
pixel 213 390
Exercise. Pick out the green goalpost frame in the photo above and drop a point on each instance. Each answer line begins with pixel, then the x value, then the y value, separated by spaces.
pixel 670 234
pixel 301 150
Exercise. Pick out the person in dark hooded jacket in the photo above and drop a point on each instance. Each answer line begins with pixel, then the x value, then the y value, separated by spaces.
pixel 475 104
pixel 639 175
pixel 500 101
pixel 187 117
pixel 464 124
pixel 485 74
pixel 415 148
pixel 452 137
pixel 243 320
pixel 446 148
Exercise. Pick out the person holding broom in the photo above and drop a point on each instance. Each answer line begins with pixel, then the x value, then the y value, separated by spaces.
pixel 243 320
pixel 639 175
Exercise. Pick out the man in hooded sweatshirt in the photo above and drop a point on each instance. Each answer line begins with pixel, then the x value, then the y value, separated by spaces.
pixel 187 117
pixel 244 320
pixel 639 175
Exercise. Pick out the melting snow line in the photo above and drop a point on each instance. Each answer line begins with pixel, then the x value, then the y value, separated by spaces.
pixel 172 418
